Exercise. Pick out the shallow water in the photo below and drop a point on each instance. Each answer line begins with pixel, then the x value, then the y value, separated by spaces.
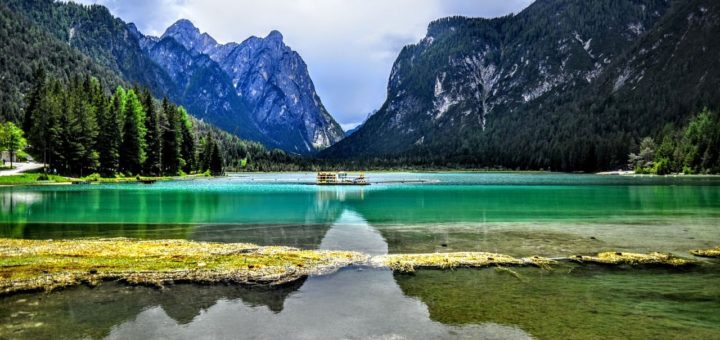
pixel 516 214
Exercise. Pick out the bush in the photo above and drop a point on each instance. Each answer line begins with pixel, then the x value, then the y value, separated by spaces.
pixel 92 178
pixel 662 167
pixel 642 171
pixel 43 177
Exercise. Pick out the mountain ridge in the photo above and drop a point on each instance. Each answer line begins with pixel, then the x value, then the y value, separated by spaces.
pixel 209 93
pixel 530 90
pixel 273 82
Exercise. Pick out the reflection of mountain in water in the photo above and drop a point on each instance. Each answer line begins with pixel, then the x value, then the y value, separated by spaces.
pixel 349 304
pixel 82 312
pixel 352 232
pixel 186 302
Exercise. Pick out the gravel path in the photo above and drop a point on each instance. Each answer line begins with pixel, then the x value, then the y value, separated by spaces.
pixel 21 167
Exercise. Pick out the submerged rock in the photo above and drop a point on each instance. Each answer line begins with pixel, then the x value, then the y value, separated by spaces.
pixel 618 258
pixel 712 252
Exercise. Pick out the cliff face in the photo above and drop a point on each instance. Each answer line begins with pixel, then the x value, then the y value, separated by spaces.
pixel 270 79
pixel 468 75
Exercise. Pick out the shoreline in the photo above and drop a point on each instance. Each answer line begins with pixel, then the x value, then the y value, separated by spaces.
pixel 59 180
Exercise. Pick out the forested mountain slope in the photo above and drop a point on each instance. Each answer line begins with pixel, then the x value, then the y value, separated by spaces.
pixel 564 85
pixel 286 113
pixel 41 73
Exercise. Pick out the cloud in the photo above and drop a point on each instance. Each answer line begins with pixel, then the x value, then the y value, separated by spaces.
pixel 349 45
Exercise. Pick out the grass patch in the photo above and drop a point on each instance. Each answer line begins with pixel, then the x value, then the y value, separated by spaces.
pixel 27 265
pixel 96 178
pixel 634 259
pixel 31 178
pixel 712 252
pixel 409 262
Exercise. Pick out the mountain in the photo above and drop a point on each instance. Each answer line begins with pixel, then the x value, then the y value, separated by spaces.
pixel 116 46
pixel 284 112
pixel 271 79
pixel 24 48
pixel 353 130
pixel 565 85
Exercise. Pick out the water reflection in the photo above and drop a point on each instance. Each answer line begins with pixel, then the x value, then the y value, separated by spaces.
pixel 17 203
pixel 304 236
pixel 81 312
pixel 352 303
pixel 348 304
pixel 352 232
pixel 231 201
pixel 577 302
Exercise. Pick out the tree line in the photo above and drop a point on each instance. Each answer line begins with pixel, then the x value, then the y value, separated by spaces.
pixel 77 129
pixel 694 149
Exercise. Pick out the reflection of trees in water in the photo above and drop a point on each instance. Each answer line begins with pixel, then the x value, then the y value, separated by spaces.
pixel 304 236
pixel 648 303
pixel 75 230
pixel 14 209
pixel 672 198
pixel 350 303
pixel 310 216
pixel 81 312
pixel 14 204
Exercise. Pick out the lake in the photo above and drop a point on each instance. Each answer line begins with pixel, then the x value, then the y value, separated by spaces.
pixel 552 215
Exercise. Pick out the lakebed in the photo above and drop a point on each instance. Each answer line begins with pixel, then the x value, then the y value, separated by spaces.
pixel 521 215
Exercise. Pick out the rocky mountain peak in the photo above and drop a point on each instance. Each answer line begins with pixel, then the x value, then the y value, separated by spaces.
pixel 274 82
pixel 182 27
pixel 185 32
pixel 267 77
pixel 274 36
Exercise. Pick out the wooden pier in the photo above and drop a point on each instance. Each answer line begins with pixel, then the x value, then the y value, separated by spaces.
pixel 340 178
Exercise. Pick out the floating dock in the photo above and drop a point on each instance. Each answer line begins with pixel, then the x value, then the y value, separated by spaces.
pixel 340 178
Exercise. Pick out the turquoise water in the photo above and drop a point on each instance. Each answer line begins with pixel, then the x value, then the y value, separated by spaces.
pixel 516 214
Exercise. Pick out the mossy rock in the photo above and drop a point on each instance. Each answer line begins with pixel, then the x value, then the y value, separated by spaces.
pixel 712 252
pixel 634 259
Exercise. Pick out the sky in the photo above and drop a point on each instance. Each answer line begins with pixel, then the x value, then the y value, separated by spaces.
pixel 348 45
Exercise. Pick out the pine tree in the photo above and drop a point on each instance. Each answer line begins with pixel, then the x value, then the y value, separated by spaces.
pixel 69 151
pixel 49 124
pixel 132 148
pixel 37 93
pixel 216 161
pixel 187 149
pixel 206 155
pixel 152 137
pixel 39 117
pixel 110 136
pixel 170 139
pixel 86 115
